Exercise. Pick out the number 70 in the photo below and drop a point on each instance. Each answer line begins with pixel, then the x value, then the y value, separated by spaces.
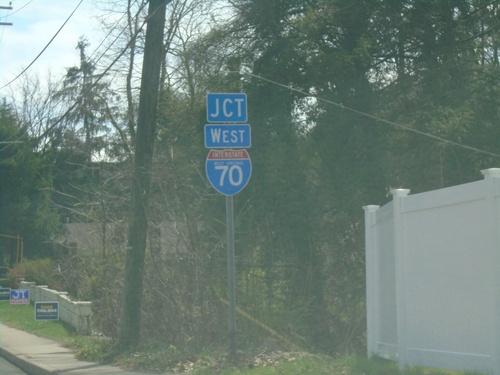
pixel 234 172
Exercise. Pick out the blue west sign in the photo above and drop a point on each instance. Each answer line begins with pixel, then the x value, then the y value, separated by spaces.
pixel 227 136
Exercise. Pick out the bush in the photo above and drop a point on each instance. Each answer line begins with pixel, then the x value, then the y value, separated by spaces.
pixel 40 271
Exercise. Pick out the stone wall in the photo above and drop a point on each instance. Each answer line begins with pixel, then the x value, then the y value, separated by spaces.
pixel 78 314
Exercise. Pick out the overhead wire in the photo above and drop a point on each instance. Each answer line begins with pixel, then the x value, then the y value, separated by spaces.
pixel 44 48
pixel 18 10
pixel 107 36
pixel 256 76
pixel 76 103
pixel 99 77
pixel 107 49
pixel 373 117
pixel 288 87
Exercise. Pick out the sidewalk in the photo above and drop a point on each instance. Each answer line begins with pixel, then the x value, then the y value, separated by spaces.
pixel 39 356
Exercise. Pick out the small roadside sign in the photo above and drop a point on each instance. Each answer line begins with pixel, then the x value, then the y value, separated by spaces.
pixel 226 107
pixel 48 310
pixel 227 136
pixel 4 294
pixel 19 296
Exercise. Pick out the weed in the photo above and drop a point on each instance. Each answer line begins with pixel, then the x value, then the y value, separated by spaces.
pixel 157 357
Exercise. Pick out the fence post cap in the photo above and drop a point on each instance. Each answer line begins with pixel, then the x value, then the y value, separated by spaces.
pixel 491 172
pixel 400 192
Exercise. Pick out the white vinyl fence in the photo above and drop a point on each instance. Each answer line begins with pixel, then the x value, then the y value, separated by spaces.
pixel 433 277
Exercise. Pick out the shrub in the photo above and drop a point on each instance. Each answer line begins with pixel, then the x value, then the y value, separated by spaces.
pixel 40 271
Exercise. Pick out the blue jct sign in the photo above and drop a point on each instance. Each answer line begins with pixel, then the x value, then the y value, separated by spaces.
pixel 228 170
pixel 227 136
pixel 226 107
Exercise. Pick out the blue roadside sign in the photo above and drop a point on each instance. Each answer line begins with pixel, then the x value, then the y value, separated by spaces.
pixel 226 107
pixel 228 170
pixel 227 136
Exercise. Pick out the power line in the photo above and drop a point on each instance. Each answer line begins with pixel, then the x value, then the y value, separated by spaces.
pixel 392 123
pixel 343 107
pixel 44 48
pixel 18 10
pixel 99 77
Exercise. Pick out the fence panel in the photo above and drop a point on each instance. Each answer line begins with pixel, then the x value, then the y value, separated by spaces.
pixel 432 281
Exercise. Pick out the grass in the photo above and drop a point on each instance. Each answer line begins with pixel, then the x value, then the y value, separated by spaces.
pixel 154 358
pixel 314 365
pixel 322 365
pixel 23 318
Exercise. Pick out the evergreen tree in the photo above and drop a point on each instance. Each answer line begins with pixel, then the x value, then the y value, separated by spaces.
pixel 25 208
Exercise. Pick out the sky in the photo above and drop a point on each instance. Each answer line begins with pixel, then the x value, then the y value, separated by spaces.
pixel 35 22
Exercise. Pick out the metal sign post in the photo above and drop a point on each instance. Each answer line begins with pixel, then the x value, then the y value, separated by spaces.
pixel 231 276
pixel 228 171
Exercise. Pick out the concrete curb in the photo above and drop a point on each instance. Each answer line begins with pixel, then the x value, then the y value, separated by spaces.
pixel 40 356
pixel 24 364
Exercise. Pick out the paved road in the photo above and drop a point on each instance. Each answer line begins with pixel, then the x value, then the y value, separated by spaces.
pixel 6 368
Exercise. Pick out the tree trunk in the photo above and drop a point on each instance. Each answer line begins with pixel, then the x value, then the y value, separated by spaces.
pixel 129 332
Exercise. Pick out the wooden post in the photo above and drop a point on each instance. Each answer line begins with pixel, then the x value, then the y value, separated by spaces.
pixel 129 331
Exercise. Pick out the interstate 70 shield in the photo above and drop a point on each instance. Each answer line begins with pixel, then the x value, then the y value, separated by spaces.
pixel 228 170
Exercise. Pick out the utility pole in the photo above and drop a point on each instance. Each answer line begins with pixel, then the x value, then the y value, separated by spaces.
pixel 129 328
pixel 6 23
